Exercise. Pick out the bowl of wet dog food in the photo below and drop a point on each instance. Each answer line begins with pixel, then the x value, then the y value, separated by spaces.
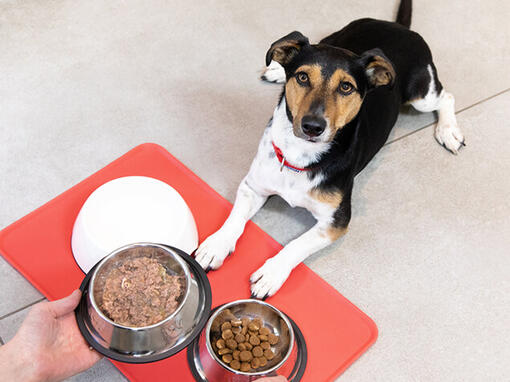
pixel 245 340
pixel 143 302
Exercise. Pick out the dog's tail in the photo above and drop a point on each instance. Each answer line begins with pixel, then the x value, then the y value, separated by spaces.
pixel 404 13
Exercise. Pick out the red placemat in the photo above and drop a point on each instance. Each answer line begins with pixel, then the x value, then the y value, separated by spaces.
pixel 39 246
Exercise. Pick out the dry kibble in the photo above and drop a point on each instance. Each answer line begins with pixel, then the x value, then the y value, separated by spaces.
pixel 224 351
pixel 227 358
pixel 273 339
pixel 264 331
pixel 253 327
pixel 245 356
pixel 220 344
pixel 269 354
pixel 257 351
pixel 245 344
pixel 262 338
pixel 240 338
pixel 227 334
pixel 225 326
pixel 245 366
pixel 231 344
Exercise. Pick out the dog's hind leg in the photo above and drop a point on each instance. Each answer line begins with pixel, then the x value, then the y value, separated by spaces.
pixel 213 251
pixel 274 73
pixel 426 95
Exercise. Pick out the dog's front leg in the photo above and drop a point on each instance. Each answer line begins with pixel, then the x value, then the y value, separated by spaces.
pixel 270 277
pixel 213 251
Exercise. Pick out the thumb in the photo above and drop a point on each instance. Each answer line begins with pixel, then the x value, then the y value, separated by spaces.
pixel 65 305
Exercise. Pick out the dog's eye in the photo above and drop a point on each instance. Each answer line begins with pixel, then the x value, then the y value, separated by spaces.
pixel 346 87
pixel 302 78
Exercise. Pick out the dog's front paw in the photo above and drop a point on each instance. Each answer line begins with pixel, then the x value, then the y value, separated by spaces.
pixel 213 251
pixel 450 136
pixel 269 278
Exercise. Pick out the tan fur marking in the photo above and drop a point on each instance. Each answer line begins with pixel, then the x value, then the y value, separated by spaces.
pixel 314 73
pixel 331 198
pixel 284 51
pixel 341 109
pixel 335 232
pixel 382 72
pixel 340 75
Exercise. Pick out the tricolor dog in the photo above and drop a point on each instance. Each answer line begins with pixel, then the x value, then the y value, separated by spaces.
pixel 340 100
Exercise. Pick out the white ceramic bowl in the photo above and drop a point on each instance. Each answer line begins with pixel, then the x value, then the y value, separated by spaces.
pixel 130 210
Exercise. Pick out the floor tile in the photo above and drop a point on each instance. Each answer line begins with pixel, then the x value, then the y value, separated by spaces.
pixel 17 292
pixel 102 371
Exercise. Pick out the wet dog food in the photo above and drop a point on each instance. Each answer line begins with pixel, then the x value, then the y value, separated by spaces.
pixel 244 344
pixel 140 292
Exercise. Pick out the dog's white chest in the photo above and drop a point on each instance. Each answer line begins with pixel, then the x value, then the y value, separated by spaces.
pixel 268 177
pixel 291 186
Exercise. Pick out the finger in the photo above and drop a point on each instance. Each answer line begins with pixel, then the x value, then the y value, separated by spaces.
pixel 65 305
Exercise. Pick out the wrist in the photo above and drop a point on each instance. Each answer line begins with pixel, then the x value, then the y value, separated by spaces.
pixel 15 366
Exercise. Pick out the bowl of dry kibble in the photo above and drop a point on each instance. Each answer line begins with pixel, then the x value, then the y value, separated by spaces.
pixel 246 339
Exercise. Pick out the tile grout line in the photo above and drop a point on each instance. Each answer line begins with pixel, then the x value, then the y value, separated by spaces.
pixel 456 113
pixel 20 309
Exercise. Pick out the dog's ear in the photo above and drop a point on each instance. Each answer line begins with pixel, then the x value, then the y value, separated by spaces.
pixel 378 68
pixel 286 48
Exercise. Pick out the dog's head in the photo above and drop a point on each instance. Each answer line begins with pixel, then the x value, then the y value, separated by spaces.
pixel 325 86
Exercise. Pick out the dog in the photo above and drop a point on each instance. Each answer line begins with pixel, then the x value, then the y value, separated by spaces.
pixel 340 100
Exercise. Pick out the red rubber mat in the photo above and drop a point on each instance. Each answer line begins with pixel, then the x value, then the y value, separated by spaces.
pixel 39 246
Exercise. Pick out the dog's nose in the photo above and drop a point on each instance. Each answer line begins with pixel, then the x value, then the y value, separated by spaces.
pixel 313 126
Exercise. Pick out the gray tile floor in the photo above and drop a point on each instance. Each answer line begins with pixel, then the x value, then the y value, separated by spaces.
pixel 426 255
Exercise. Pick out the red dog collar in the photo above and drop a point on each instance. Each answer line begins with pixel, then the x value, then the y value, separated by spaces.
pixel 283 162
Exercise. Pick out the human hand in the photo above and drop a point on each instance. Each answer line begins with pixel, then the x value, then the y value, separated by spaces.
pixel 272 379
pixel 49 345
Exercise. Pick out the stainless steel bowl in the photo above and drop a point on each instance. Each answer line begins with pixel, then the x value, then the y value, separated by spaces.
pixel 153 342
pixel 210 367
